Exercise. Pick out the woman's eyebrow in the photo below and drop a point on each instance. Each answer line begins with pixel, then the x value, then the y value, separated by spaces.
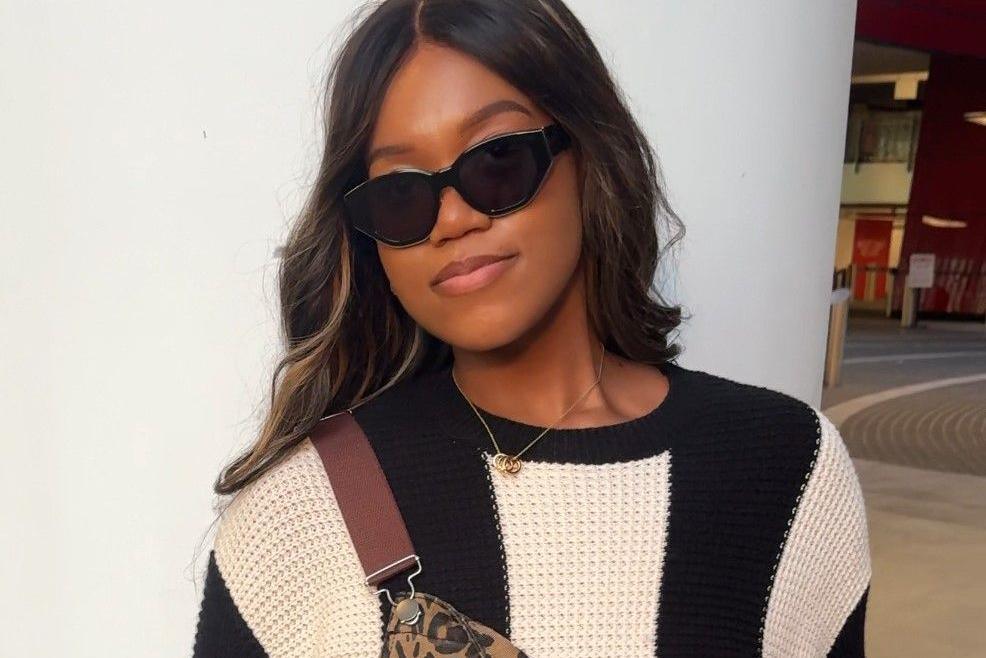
pixel 487 111
pixel 477 117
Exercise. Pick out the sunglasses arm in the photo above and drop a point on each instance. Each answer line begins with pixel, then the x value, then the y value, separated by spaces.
pixel 557 138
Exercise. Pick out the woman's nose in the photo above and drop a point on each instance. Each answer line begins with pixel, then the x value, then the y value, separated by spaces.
pixel 456 217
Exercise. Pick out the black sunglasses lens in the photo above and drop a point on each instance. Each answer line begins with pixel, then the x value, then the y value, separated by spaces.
pixel 503 173
pixel 397 208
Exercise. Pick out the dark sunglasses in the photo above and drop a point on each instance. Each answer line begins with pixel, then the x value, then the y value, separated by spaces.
pixel 496 176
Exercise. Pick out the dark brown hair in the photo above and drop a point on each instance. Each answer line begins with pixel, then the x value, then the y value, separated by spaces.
pixel 347 337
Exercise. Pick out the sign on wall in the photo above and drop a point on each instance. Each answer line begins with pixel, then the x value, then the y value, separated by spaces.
pixel 921 271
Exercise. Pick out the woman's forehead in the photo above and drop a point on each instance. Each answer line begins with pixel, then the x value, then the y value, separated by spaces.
pixel 442 94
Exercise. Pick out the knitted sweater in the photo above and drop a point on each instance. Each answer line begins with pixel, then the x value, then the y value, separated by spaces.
pixel 727 521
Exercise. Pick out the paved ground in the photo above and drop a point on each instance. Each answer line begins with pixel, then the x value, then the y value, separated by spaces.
pixel 912 410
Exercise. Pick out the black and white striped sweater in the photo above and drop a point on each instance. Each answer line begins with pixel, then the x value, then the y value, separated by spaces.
pixel 728 521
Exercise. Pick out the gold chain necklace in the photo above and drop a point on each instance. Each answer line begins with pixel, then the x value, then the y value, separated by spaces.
pixel 511 463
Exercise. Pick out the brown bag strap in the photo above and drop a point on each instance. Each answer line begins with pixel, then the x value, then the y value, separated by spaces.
pixel 364 496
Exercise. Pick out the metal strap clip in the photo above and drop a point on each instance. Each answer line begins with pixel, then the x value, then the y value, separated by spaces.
pixel 406 558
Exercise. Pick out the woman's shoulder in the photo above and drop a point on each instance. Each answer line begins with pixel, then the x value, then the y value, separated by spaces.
pixel 718 403
pixel 291 492
pixel 282 544
pixel 795 452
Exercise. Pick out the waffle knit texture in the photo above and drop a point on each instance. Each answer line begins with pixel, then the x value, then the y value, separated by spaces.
pixel 727 521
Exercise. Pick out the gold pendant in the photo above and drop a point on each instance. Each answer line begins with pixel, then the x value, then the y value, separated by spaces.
pixel 506 463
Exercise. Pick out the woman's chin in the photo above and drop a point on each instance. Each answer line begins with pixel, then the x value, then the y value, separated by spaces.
pixel 482 334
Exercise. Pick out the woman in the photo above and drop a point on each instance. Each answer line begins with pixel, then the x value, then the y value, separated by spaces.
pixel 495 334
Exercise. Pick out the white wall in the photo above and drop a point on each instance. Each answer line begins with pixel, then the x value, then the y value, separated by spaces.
pixel 151 155
pixel 747 104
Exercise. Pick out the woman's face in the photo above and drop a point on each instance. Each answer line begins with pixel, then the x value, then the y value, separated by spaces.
pixel 425 109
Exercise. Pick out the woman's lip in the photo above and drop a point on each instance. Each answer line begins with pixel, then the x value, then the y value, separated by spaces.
pixel 482 276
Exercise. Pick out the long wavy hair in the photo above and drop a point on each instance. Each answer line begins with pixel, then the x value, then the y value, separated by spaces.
pixel 346 336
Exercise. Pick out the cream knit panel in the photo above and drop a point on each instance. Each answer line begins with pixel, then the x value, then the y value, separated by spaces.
pixel 291 567
pixel 584 547
pixel 825 564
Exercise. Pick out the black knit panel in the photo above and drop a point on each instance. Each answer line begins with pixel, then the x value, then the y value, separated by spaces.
pixel 738 464
pixel 222 632
pixel 850 644
pixel 444 493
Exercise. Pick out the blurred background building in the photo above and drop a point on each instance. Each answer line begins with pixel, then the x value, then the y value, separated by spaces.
pixel 915 157
pixel 907 388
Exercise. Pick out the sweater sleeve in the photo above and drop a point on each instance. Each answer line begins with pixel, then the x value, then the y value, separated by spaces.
pixel 849 643
pixel 222 631
pixel 821 583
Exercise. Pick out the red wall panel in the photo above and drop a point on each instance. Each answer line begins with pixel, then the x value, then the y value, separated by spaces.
pixel 950 26
pixel 871 246
pixel 950 183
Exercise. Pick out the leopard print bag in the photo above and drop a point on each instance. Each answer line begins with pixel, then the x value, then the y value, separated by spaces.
pixel 441 630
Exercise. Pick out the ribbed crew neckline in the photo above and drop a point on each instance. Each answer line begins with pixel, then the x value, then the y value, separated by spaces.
pixel 631 439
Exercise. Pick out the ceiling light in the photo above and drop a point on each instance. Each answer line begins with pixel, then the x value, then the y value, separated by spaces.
pixel 938 222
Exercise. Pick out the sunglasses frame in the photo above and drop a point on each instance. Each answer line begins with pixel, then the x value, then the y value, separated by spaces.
pixel 555 139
